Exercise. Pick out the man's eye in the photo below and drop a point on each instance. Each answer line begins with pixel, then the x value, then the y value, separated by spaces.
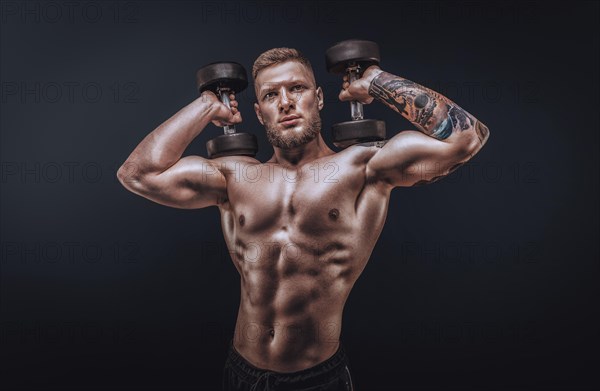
pixel 269 95
pixel 297 88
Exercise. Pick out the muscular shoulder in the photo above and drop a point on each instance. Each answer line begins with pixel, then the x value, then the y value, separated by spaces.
pixel 356 155
pixel 351 165
pixel 359 155
pixel 230 166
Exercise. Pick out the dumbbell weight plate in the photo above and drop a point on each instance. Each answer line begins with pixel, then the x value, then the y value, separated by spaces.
pixel 365 53
pixel 230 74
pixel 348 133
pixel 234 144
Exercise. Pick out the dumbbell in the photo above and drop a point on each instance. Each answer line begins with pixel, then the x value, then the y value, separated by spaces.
pixel 352 57
pixel 225 78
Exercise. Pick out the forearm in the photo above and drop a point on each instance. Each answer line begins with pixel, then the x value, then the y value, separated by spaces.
pixel 432 113
pixel 163 147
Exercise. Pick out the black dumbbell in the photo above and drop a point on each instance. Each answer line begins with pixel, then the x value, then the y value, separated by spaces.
pixel 352 57
pixel 225 78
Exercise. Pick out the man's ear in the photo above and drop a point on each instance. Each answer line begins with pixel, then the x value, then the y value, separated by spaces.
pixel 320 97
pixel 258 113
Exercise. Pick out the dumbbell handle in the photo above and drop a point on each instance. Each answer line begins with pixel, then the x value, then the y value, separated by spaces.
pixel 224 94
pixel 356 108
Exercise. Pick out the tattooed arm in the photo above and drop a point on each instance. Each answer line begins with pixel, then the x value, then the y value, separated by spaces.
pixel 447 135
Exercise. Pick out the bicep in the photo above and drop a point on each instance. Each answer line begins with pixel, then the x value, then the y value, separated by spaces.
pixel 191 183
pixel 412 158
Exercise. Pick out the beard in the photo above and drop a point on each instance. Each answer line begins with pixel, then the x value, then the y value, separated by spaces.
pixel 293 138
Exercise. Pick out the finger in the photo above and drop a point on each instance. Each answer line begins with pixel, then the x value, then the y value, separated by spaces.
pixel 344 96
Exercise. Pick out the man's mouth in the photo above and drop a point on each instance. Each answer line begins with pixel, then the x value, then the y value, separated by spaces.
pixel 289 120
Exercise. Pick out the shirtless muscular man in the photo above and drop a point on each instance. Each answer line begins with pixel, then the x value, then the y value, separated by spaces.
pixel 301 226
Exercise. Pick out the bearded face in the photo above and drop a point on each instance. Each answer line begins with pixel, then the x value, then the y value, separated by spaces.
pixel 287 138
pixel 288 104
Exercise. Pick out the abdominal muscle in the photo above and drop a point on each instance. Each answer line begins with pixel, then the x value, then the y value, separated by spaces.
pixel 299 246
pixel 290 314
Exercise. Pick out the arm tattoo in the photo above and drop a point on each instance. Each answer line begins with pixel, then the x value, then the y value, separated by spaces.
pixel 432 113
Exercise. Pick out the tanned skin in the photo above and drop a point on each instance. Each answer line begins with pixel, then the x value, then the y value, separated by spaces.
pixel 301 226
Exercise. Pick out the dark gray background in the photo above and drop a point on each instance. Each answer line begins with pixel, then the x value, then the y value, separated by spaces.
pixel 486 280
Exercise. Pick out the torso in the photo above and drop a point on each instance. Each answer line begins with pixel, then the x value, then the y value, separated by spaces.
pixel 299 239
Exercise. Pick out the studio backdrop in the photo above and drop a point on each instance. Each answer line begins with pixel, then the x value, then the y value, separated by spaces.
pixel 484 280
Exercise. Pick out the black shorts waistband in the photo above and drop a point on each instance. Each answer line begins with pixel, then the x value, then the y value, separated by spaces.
pixel 321 373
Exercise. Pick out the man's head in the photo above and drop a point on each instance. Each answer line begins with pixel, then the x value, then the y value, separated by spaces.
pixel 288 100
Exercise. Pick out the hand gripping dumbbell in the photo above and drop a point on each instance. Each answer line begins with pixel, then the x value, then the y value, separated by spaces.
pixel 352 57
pixel 224 78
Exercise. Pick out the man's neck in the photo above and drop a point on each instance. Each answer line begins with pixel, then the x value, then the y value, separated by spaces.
pixel 294 157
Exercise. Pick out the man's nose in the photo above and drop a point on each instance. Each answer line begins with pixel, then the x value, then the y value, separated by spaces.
pixel 285 101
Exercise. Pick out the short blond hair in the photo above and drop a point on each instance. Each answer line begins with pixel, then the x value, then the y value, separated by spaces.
pixel 277 56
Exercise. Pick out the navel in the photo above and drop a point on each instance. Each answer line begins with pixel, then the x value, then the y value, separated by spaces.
pixel 242 220
pixel 334 214
pixel 272 332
